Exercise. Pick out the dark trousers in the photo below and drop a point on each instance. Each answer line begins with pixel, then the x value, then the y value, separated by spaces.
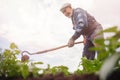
pixel 89 54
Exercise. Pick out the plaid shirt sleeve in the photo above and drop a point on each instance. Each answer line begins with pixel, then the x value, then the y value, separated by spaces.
pixel 81 21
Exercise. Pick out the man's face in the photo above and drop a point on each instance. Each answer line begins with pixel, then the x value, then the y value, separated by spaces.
pixel 67 12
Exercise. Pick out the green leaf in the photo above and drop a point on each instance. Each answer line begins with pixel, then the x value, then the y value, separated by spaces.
pixel 17 51
pixel 13 46
pixel 35 71
pixel 7 53
pixel 38 62
pixel 24 71
pixel 112 29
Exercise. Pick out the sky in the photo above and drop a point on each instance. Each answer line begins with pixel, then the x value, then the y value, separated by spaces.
pixel 36 25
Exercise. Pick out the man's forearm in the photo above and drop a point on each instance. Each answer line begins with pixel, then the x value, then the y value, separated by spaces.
pixel 76 36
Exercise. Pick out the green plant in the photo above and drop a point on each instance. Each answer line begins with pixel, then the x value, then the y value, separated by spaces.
pixel 34 69
pixel 107 48
pixel 9 63
pixel 10 66
pixel 109 45
pixel 56 69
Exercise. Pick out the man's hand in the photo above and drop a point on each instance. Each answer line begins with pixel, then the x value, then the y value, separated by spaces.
pixel 71 43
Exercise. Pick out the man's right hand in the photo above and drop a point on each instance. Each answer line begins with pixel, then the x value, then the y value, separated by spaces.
pixel 71 43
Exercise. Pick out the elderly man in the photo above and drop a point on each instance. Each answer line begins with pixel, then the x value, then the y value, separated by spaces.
pixel 83 24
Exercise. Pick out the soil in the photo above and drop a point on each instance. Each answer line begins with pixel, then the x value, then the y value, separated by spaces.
pixel 59 76
pixel 115 75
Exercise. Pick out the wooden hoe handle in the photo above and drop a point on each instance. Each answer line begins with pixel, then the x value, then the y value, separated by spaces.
pixel 48 50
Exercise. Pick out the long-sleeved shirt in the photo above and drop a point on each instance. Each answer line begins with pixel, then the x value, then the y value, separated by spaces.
pixel 83 23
